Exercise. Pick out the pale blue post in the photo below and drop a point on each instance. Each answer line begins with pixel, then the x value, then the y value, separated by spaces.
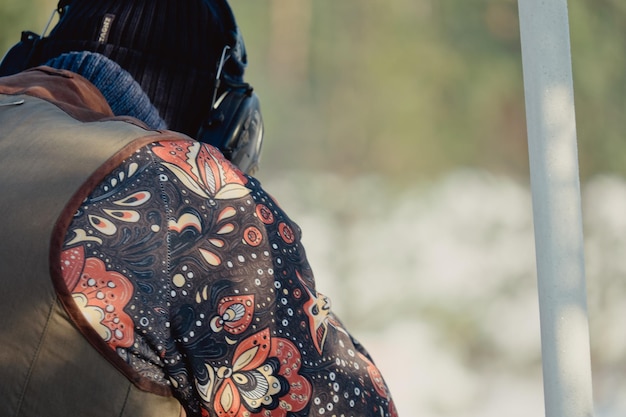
pixel 557 209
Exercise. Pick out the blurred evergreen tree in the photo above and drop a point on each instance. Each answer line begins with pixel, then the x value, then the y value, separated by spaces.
pixel 413 88
pixel 598 29
pixel 405 88
pixel 409 88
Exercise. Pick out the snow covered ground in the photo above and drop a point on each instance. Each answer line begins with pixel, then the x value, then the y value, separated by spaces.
pixel 438 281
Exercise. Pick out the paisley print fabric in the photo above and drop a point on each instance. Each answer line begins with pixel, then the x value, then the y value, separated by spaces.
pixel 195 277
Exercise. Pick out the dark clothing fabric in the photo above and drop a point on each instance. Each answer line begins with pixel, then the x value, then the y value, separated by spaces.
pixel 48 368
pixel 191 280
pixel 170 47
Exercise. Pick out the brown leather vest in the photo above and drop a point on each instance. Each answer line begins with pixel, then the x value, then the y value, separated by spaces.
pixel 47 368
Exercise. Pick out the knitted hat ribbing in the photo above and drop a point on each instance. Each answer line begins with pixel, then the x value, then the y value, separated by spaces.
pixel 170 47
pixel 122 92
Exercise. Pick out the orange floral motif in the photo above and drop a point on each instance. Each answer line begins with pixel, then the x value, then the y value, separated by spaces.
pixel 100 295
pixel 286 232
pixel 263 380
pixel 376 377
pixel 203 169
pixel 265 214
pixel 317 309
pixel 234 314
pixel 252 236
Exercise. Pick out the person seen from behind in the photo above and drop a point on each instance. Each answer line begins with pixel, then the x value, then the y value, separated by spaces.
pixel 145 272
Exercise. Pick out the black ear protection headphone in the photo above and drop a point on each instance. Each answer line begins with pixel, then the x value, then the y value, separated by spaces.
pixel 233 124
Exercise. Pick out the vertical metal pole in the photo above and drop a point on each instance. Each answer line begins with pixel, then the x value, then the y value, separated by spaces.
pixel 557 209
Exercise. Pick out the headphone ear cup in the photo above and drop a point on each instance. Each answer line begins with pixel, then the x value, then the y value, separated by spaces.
pixel 248 135
pixel 235 127
pixel 19 56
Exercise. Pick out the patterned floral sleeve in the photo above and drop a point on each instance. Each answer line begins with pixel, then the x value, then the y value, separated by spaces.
pixel 197 279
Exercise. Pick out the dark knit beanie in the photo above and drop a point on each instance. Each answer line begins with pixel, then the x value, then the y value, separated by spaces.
pixel 170 47
pixel 122 92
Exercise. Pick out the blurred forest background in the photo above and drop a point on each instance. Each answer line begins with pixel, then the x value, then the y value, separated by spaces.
pixel 396 138
pixel 409 89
